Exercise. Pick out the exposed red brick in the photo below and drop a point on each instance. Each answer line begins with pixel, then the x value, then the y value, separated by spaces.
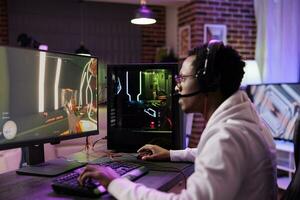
pixel 238 16
pixel 3 22
pixel 153 36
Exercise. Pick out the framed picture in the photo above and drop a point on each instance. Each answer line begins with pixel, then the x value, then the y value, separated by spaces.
pixel 215 32
pixel 184 35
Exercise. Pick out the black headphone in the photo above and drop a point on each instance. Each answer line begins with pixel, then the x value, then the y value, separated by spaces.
pixel 208 81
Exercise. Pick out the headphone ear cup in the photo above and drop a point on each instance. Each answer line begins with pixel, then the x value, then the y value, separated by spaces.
pixel 202 85
pixel 201 82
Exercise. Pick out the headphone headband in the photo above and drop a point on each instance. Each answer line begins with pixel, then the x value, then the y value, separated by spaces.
pixel 211 44
pixel 207 82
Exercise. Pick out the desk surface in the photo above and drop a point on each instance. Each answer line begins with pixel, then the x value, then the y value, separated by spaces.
pixel 14 186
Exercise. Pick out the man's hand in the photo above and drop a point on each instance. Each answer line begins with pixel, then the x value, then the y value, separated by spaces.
pixel 104 175
pixel 157 152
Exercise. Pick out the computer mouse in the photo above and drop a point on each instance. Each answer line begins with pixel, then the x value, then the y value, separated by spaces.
pixel 144 152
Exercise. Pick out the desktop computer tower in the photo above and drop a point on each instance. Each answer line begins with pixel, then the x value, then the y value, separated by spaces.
pixel 141 107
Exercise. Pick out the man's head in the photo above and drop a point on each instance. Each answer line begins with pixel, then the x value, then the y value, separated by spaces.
pixel 208 69
pixel 218 67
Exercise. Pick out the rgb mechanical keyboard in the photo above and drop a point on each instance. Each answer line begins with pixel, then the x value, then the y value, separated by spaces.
pixel 68 184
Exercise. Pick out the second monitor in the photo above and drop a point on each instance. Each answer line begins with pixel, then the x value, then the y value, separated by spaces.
pixel 141 108
pixel 278 106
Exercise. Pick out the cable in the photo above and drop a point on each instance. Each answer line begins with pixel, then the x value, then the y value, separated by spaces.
pixel 111 155
pixel 94 143
pixel 87 143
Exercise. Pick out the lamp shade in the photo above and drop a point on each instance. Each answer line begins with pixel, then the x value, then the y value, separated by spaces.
pixel 252 75
pixel 43 47
pixel 143 16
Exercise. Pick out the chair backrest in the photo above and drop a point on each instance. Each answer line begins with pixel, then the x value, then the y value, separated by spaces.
pixel 293 190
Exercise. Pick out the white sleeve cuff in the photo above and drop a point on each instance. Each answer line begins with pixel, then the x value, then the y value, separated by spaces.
pixel 187 154
pixel 176 155
pixel 118 185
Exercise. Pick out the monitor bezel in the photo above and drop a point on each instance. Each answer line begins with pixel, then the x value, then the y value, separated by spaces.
pixel 58 139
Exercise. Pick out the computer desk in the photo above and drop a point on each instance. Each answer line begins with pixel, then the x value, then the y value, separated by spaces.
pixel 164 176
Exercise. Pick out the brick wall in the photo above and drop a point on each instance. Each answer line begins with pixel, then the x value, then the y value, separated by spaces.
pixel 237 15
pixel 3 22
pixel 153 36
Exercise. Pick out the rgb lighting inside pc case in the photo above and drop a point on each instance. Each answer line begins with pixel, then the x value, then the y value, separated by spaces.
pixel 141 108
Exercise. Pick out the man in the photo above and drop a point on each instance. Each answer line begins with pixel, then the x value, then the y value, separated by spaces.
pixel 235 158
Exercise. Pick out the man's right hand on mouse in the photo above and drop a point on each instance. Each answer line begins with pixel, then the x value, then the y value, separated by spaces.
pixel 153 152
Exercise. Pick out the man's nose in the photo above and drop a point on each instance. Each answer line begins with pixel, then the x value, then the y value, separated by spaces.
pixel 178 88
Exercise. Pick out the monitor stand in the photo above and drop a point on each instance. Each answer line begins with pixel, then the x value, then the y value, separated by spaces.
pixel 37 166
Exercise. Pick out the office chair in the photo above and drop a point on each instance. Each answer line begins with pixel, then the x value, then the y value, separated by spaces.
pixel 293 190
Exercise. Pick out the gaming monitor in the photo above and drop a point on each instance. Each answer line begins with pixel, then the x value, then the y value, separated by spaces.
pixel 46 97
pixel 140 106
pixel 279 107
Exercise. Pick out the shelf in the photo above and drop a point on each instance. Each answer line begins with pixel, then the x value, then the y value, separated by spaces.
pixel 285 162
pixel 284 146
pixel 285 168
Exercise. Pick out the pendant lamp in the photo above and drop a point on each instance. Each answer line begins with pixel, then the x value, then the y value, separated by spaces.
pixel 144 15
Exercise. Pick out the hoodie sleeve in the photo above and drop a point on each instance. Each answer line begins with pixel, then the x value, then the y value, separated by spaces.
pixel 187 154
pixel 216 176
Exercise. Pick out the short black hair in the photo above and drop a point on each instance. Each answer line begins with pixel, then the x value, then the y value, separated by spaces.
pixel 227 69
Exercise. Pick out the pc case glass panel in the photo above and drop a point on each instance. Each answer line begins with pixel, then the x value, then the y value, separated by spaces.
pixel 142 100
pixel 46 95
pixel 278 106
pixel 140 106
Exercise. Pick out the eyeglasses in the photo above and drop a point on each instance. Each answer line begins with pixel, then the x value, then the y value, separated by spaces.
pixel 180 78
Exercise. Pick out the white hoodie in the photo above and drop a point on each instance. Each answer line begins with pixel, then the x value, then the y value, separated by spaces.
pixel 235 159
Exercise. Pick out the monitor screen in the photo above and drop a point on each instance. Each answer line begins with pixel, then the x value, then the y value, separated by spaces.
pixel 46 97
pixel 278 106
pixel 141 108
